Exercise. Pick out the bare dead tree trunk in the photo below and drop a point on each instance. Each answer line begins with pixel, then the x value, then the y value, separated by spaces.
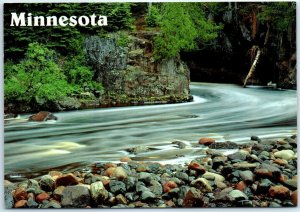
pixel 252 69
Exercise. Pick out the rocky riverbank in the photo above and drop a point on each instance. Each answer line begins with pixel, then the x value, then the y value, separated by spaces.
pixel 261 173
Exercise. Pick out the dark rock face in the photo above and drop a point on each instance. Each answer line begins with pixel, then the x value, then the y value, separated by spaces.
pixel 131 71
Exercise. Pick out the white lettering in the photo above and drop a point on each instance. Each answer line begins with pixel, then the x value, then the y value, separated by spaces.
pixel 15 19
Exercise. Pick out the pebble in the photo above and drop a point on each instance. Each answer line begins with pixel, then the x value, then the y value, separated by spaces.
pixel 197 167
pixel 193 198
pixel 145 177
pixel 247 176
pixel 42 196
pixel 117 187
pixel 280 192
pixel 294 197
pixel 156 187
pixel 237 156
pixel 285 154
pixel 58 192
pixel 31 203
pixel 47 183
pixel 119 173
pixel 75 197
pixel 8 198
pixel 213 176
pixel 20 194
pixel 121 199
pixel 147 196
pixel 241 186
pixel 202 184
pixel 52 204
pixel 206 141
pixel 168 186
pixel 125 159
pixel 66 180
pixel 21 204
pixel 98 193
pixel 236 195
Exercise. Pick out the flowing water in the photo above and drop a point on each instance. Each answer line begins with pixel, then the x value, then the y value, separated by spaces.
pixel 80 138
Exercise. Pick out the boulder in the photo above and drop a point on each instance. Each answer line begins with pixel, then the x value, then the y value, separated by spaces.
pixel 75 197
pixel 42 116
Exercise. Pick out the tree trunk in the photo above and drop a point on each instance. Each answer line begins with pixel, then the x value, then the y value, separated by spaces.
pixel 252 69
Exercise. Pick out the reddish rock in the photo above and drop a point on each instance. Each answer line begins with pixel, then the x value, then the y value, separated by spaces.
pixel 109 171
pixel 263 173
pixel 197 167
pixel 20 194
pixel 125 159
pixel 280 192
pixel 170 203
pixel 42 196
pixel 42 116
pixel 241 186
pixel 66 180
pixel 283 178
pixel 294 197
pixel 193 198
pixel 280 162
pixel 169 185
pixel 206 141
pixel 108 165
pixel 21 204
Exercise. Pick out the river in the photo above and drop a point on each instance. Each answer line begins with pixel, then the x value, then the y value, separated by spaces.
pixel 80 138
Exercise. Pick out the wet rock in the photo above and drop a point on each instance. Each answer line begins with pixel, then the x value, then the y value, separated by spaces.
pixel 66 180
pixel 241 186
pixel 121 199
pixel 125 159
pixel 255 138
pixel 58 192
pixel 294 198
pixel 202 184
pixel 237 195
pixel 31 203
pixel 21 204
pixel 119 173
pixel 244 165
pixel 182 176
pixel 168 186
pixel 75 197
pixel 197 167
pixel 280 192
pixel 147 196
pixel 285 154
pixel 237 156
pixel 291 184
pixel 221 185
pixel 47 183
pixel 156 188
pixel 193 198
pixel 98 193
pixel 224 194
pixel 130 183
pixel 247 176
pixel 264 186
pixel 223 145
pixel 138 149
pixel 281 162
pixel 110 171
pixel 218 161
pixel 8 198
pixel 206 141
pixel 20 194
pixel 180 144
pixel 145 177
pixel 52 204
pixel 213 176
pixel 117 187
pixel 42 116
pixel 42 196
pixel 274 205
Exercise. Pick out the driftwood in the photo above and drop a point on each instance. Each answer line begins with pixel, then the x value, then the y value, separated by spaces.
pixel 252 69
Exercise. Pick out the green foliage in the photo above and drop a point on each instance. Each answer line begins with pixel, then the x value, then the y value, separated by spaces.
pixel 183 26
pixel 37 78
pixel 278 14
pixel 153 16
pixel 122 38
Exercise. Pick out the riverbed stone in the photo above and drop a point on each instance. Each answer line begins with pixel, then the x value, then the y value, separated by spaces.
pixel 42 116
pixel 147 196
pixel 197 167
pixel 119 173
pixel 247 176
pixel 42 196
pixel 202 184
pixel 8 198
pixel 241 186
pixel 193 198
pixel 21 204
pixel 156 188
pixel 47 183
pixel 20 194
pixel 294 197
pixel 280 192
pixel 66 180
pixel 117 187
pixel 167 186
pixel 182 176
pixel 213 176
pixel 237 156
pixel 145 177
pixel 285 154
pixel 75 197
pixel 206 141
pixel 236 195
pixel 98 193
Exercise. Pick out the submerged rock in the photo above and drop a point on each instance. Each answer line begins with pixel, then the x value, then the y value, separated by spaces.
pixel 42 116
